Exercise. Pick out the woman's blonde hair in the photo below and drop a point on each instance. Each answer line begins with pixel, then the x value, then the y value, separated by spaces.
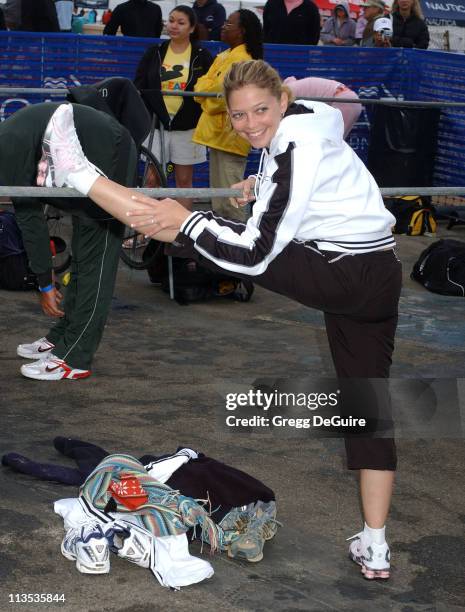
pixel 416 8
pixel 258 73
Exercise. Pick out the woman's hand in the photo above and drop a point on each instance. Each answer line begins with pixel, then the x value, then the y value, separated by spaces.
pixel 247 187
pixel 152 216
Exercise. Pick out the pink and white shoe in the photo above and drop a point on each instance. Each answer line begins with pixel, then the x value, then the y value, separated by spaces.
pixel 52 368
pixel 374 559
pixel 36 350
pixel 63 162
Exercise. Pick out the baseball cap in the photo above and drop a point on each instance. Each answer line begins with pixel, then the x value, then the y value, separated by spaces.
pixel 382 24
pixel 376 3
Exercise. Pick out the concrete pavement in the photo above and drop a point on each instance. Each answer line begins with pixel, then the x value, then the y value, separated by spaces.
pixel 157 384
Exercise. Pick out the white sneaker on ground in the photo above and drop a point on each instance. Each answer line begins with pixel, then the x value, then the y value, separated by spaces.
pixel 88 546
pixel 374 559
pixel 131 542
pixel 52 368
pixel 36 350
pixel 63 161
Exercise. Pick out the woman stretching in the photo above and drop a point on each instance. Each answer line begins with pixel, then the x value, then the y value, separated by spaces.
pixel 319 234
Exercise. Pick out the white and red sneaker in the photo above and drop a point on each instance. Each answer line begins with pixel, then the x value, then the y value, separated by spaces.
pixel 52 368
pixel 63 162
pixel 374 559
pixel 36 350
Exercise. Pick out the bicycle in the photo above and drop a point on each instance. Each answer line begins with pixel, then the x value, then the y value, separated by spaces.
pixel 60 238
pixel 134 251
pixel 149 174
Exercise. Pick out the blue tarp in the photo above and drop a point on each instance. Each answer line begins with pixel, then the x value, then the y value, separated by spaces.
pixel 63 60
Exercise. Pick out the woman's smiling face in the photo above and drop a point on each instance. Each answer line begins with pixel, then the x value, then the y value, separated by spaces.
pixel 256 113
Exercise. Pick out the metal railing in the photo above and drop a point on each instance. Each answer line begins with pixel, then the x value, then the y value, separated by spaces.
pixel 208 192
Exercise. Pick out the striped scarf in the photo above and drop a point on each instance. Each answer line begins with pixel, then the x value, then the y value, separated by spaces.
pixel 166 512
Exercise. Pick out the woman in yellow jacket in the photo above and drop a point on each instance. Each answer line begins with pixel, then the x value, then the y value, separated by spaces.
pixel 228 152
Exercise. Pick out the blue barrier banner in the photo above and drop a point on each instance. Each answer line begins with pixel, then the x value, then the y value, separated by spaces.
pixel 64 60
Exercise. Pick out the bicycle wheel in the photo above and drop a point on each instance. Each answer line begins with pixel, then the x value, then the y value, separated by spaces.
pixel 134 251
pixel 60 232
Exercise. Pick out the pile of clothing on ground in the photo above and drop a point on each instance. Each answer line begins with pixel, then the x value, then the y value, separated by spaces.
pixel 144 510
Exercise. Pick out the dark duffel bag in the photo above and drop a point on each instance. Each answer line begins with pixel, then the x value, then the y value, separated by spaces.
pixel 441 268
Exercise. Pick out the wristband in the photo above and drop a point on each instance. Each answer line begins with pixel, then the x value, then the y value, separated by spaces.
pixel 46 289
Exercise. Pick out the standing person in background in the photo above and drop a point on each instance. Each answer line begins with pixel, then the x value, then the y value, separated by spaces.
pixel 382 32
pixel 291 22
pixel 372 10
pixel 64 9
pixel 2 20
pixel 340 28
pixel 176 64
pixel 106 16
pixel 12 12
pixel 77 21
pixel 409 27
pixel 360 27
pixel 242 32
pixel 210 16
pixel 136 18
pixel 92 16
pixel 39 16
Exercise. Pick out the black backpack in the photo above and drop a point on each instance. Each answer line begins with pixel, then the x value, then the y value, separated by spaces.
pixel 193 282
pixel 441 268
pixel 14 269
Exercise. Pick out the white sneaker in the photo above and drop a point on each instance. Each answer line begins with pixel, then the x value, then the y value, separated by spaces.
pixel 37 350
pixel 52 368
pixel 62 154
pixel 374 559
pixel 132 543
pixel 88 546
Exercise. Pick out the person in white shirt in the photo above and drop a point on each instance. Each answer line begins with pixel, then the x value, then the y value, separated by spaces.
pixel 64 10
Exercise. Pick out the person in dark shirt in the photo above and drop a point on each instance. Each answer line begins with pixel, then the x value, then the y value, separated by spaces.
pixel 291 22
pixel 2 20
pixel 12 12
pixel 136 18
pixel 409 28
pixel 39 16
pixel 210 16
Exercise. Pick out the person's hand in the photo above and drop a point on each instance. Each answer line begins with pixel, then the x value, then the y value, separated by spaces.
pixel 247 187
pixel 153 216
pixel 50 302
pixel 338 41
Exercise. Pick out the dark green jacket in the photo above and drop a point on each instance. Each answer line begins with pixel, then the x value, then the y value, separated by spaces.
pixel 20 151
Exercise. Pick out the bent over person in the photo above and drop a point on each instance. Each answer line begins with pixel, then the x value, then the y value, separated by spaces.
pixel 319 234
pixel 67 349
